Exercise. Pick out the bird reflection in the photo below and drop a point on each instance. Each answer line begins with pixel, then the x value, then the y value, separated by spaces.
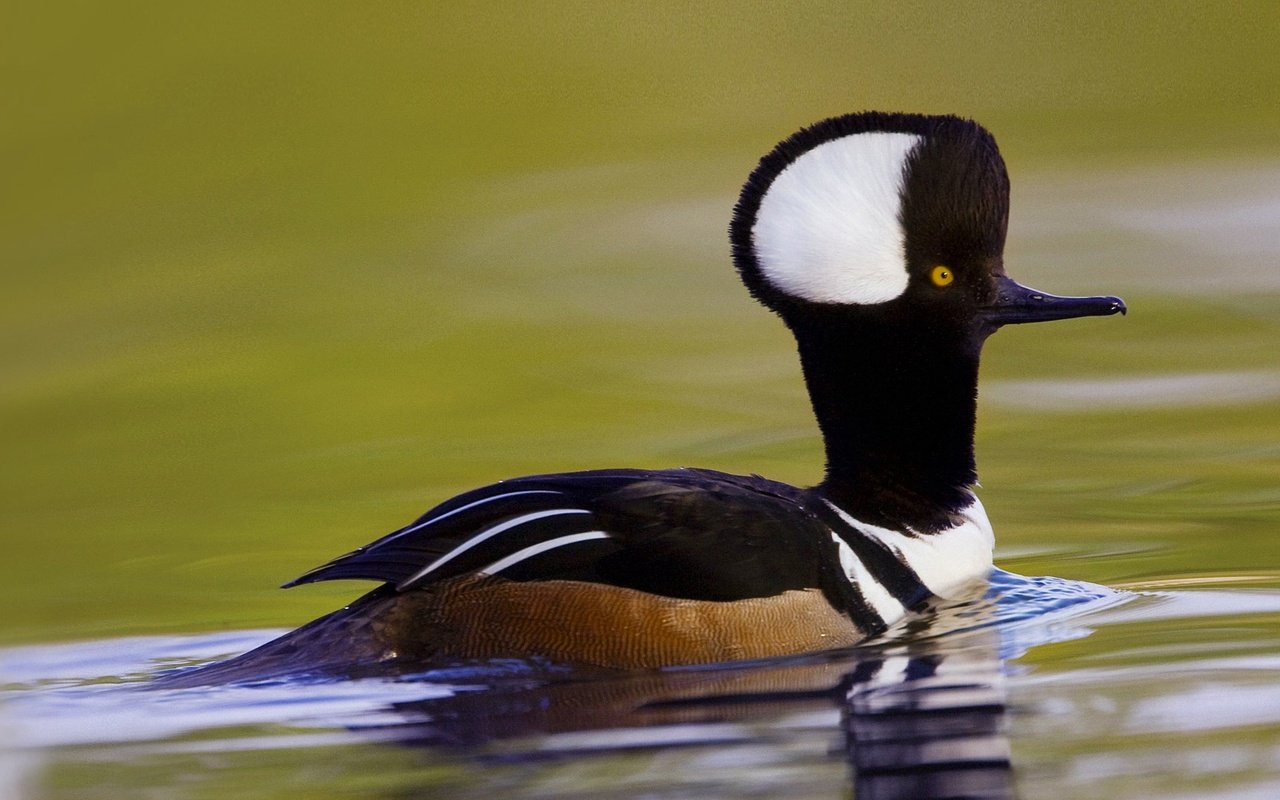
pixel 920 719
pixel 929 725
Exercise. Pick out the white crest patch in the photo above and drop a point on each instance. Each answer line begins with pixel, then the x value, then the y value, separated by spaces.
pixel 827 229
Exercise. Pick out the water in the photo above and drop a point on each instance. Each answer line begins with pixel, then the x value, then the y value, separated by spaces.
pixel 277 280
pixel 970 700
pixel 1137 454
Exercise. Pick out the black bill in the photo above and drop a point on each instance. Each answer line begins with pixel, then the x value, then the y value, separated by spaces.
pixel 1015 303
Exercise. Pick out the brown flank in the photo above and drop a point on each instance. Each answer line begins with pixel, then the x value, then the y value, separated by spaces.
pixel 488 617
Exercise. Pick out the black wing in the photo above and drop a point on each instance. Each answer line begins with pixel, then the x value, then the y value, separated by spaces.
pixel 681 533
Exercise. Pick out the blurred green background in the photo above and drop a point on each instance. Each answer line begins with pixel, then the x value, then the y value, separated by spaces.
pixel 279 279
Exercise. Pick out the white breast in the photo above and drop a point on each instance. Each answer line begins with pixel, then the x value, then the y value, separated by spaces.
pixel 945 562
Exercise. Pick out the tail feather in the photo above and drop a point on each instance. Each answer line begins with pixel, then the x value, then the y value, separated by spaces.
pixel 339 644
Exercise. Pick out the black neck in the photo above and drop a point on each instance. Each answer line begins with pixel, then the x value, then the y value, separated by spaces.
pixel 896 406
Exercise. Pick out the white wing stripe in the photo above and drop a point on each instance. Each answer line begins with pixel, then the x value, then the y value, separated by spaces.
pixel 542 547
pixel 484 536
pixel 467 507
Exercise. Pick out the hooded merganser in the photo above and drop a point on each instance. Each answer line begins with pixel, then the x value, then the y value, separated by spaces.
pixel 878 240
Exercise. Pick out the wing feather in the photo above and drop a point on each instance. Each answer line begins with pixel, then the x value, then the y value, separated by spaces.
pixel 680 533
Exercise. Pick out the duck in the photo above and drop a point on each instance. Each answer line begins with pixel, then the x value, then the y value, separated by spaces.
pixel 877 238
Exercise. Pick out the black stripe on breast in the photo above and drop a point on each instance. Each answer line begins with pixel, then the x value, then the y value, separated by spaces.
pixel 884 565
pixel 843 594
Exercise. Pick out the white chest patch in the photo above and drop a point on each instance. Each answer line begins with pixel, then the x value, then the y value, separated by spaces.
pixel 827 229
pixel 946 561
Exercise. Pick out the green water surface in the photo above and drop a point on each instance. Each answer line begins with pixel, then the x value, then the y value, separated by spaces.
pixel 278 280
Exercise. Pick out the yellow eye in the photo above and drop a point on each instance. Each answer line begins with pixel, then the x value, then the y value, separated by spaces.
pixel 941 276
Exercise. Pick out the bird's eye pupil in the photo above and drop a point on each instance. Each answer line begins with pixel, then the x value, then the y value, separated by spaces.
pixel 941 276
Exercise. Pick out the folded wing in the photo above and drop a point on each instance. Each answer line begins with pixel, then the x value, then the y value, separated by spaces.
pixel 680 533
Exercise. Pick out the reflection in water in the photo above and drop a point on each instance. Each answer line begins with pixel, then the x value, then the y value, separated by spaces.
pixel 925 719
pixel 931 725
pixel 921 715
pixel 918 721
